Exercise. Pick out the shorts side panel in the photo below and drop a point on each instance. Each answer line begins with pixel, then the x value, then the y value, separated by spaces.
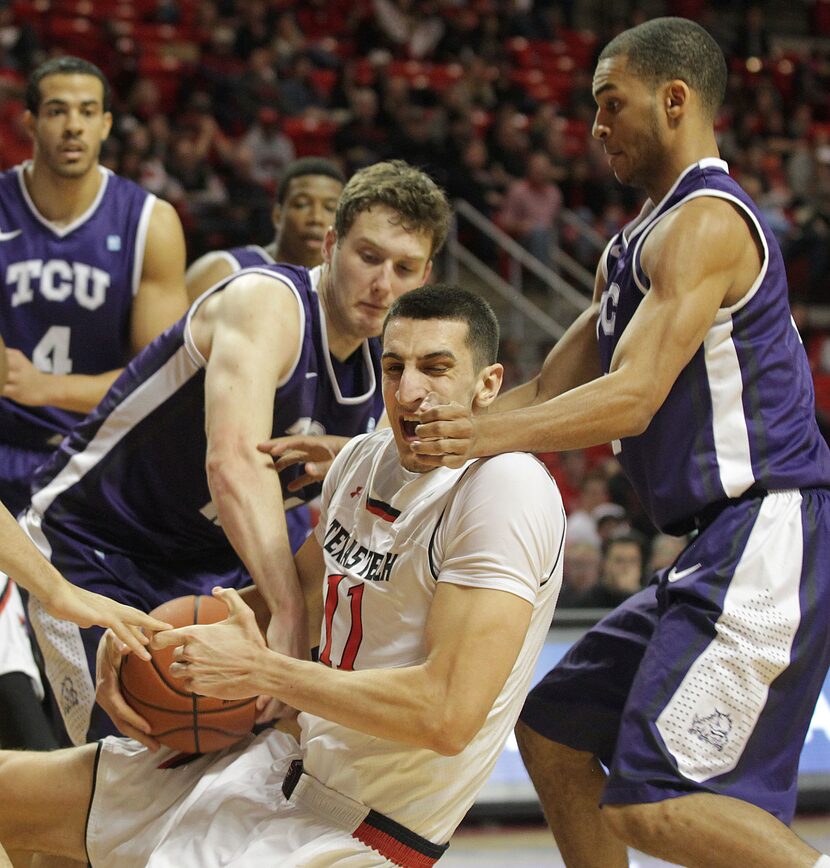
pixel 726 690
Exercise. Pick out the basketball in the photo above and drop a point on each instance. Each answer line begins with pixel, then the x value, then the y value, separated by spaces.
pixel 179 719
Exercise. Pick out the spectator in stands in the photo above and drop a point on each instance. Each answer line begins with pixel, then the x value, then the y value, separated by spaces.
pixel 19 44
pixel 531 208
pixel 611 521
pixel 298 93
pixel 258 87
pixel 593 492
pixel 620 575
pixel 363 139
pixel 271 148
pixel 581 567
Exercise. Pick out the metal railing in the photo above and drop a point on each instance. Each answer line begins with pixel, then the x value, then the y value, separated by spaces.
pixel 567 287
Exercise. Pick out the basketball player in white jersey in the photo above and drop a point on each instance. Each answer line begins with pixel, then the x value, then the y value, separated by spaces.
pixel 438 588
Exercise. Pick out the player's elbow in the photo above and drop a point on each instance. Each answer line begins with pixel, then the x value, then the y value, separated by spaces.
pixel 226 463
pixel 451 732
pixel 640 407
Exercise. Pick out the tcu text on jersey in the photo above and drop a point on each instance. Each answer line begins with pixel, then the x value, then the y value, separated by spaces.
pixel 57 280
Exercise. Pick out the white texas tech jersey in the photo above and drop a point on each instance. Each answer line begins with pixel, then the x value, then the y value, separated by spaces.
pixel 389 536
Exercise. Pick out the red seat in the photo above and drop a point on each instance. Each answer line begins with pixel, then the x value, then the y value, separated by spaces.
pixel 312 137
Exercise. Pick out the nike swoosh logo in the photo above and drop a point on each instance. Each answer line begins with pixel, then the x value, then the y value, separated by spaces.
pixel 675 575
pixel 7 236
pixel 310 374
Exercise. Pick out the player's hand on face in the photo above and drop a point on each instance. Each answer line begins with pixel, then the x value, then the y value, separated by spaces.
pixel 70 603
pixel 446 435
pixel 314 451
pixel 24 382
pixel 110 655
pixel 221 659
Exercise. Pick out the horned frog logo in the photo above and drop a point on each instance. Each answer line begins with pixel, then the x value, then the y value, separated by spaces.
pixel 713 729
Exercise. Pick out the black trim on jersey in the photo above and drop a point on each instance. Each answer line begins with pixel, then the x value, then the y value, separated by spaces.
pixel 381 509
pixel 558 554
pixel 91 797
pixel 432 567
pixel 406 836
pixel 5 594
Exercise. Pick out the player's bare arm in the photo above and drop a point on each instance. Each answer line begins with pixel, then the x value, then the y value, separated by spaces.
pixel 254 342
pixel 686 292
pixel 438 704
pixel 206 271
pixel 159 302
pixel 161 298
pixel 28 568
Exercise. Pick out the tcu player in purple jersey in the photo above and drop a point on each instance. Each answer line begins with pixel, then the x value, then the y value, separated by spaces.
pixel 162 490
pixel 697 693
pixel 92 269
pixel 304 209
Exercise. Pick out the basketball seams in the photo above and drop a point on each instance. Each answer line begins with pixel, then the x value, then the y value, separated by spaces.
pixel 180 719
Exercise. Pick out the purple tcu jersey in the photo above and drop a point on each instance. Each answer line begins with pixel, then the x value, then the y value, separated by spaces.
pixel 247 257
pixel 131 477
pixel 741 413
pixel 67 291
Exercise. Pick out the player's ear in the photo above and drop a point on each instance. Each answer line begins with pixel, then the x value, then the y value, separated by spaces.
pixel 107 125
pixel 29 121
pixel 676 98
pixel 427 271
pixel 329 243
pixel 488 385
pixel 276 214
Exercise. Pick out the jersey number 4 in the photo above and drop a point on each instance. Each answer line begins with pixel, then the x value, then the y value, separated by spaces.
pixel 51 355
pixel 355 637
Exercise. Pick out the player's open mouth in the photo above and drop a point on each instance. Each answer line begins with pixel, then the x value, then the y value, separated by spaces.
pixel 408 426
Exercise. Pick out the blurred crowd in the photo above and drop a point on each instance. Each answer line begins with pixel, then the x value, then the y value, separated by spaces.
pixel 213 98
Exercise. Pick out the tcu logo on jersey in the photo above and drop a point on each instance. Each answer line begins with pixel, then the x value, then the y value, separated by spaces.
pixel 57 280
pixel 608 310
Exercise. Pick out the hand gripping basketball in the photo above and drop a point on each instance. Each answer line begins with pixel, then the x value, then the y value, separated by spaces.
pixel 180 716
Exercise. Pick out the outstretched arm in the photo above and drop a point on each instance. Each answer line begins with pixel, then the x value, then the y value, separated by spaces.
pixel 20 560
pixel 687 289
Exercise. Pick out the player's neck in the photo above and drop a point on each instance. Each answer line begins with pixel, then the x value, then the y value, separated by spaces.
pixel 341 345
pixel 679 159
pixel 341 342
pixel 61 200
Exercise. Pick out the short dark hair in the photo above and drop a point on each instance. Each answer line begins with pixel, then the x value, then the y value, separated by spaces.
pixel 308 166
pixel 631 538
pixel 420 202
pixel 448 302
pixel 662 49
pixel 67 65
